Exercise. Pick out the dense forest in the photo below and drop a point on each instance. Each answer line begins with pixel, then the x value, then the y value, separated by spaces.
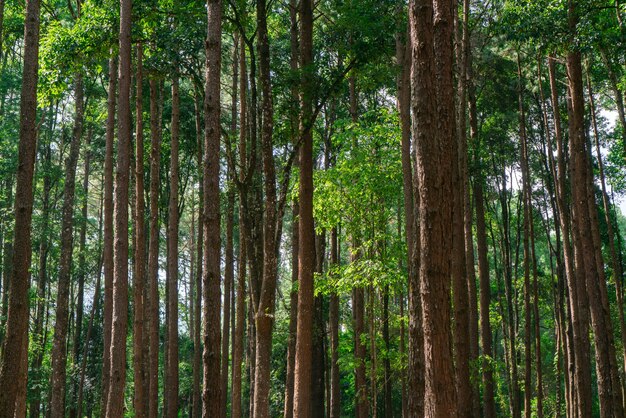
pixel 298 208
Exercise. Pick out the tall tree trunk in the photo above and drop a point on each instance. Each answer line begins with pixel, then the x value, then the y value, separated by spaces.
pixel 171 371
pixel 229 270
pixel 115 403
pixel 575 280
pixel 414 404
pixel 264 316
pixel 432 101
pixel 242 262
pixel 152 310
pixel 13 355
pixel 585 221
pixel 306 256
pixel 293 294
pixel 108 230
pixel 211 395
pixel 139 400
pixel 613 250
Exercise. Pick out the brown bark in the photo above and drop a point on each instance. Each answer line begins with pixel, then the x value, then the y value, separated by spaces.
pixel 293 294
pixel 306 256
pixel 416 338
pixel 152 308
pixel 139 400
pixel 59 345
pixel 613 250
pixel 432 101
pixel 171 370
pixel 236 407
pixel 580 363
pixel 108 229
pixel 211 395
pixel 229 270
pixel 115 402
pixel 16 334
pixel 585 222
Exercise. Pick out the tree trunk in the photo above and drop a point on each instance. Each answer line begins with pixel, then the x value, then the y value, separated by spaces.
pixel 306 256
pixel 171 371
pixel 59 345
pixel 16 333
pixel 575 281
pixel 115 402
pixel 432 101
pixel 293 294
pixel 108 230
pixel 211 395
pixel 139 400
pixel 153 251
pixel 585 221
pixel 613 250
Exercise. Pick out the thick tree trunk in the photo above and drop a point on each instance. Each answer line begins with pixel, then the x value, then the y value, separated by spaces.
pixel 581 368
pixel 264 316
pixel 238 344
pixel 613 250
pixel 108 229
pixel 171 371
pixel 59 345
pixel 16 335
pixel 139 400
pixel 585 221
pixel 211 395
pixel 302 374
pixel 115 402
pixel 433 116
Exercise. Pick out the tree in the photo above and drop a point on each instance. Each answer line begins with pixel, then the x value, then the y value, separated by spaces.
pixel 14 356
pixel 211 395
